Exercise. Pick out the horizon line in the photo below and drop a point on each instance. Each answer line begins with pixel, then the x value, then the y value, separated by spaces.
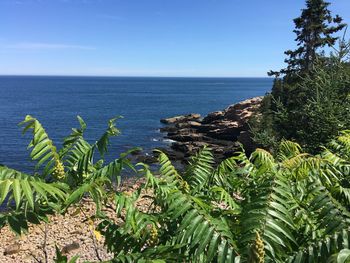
pixel 124 76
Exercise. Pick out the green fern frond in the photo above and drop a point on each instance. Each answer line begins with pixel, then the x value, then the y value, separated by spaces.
pixel 295 161
pixel 222 196
pixel 161 186
pixel 342 144
pixel 23 188
pixel 199 170
pixel 134 233
pixel 96 189
pixel 43 150
pixel 288 150
pixel 169 172
pixel 72 139
pixel 332 216
pixel 103 142
pixel 266 210
pixel 224 172
pixel 335 246
pixel 262 160
pixel 200 232
pixel 332 158
pixel 301 165
pixel 79 158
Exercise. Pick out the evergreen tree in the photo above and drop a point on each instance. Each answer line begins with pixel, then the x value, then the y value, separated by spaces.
pixel 294 110
pixel 314 30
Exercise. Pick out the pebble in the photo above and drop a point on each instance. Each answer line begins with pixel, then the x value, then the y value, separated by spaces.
pixel 12 249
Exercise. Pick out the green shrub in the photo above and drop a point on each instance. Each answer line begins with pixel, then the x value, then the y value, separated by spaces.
pixel 315 110
pixel 61 177
pixel 292 208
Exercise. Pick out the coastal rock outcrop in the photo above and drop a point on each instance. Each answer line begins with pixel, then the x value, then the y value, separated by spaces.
pixel 222 130
pixel 181 118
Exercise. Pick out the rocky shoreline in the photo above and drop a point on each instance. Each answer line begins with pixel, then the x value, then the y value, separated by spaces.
pixel 73 232
pixel 222 131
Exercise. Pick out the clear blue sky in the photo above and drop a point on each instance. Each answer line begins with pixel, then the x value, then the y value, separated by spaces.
pixel 148 37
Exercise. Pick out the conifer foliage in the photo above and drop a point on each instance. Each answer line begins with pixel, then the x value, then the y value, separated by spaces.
pixel 314 30
pixel 309 98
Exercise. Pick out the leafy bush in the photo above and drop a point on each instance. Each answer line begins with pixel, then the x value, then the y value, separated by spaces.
pixel 61 177
pixel 292 208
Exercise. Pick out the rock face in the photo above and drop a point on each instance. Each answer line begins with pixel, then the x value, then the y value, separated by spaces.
pixel 220 130
pixel 181 118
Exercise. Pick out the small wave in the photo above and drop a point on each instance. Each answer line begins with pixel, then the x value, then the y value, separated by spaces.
pixel 168 141
pixel 162 140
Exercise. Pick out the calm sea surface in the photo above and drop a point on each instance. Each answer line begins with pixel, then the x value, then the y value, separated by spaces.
pixel 56 101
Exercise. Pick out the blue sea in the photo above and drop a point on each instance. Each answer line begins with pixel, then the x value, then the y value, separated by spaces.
pixel 142 101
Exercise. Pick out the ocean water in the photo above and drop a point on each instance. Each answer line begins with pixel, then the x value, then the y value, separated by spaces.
pixel 56 101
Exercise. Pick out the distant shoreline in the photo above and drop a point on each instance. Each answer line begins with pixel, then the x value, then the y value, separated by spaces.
pixel 109 76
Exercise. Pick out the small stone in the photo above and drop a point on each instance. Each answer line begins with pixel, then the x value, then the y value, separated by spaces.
pixel 12 249
pixel 70 247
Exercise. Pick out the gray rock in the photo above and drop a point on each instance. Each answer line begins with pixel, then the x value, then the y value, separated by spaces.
pixel 213 116
pixel 168 129
pixel 147 159
pixel 12 249
pixel 186 137
pixel 220 130
pixel 187 124
pixel 70 247
pixel 181 118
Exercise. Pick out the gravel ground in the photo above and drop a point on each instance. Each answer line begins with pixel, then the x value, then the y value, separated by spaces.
pixel 72 233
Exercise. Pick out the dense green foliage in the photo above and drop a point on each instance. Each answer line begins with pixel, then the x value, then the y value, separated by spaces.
pixel 309 104
pixel 316 110
pixel 61 177
pixel 314 29
pixel 291 208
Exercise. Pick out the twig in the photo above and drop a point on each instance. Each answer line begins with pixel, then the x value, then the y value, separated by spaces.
pixel 44 245
pixel 37 260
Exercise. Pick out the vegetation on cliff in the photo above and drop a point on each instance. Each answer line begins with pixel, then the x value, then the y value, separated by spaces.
pixel 309 102
pixel 289 207
pixel 284 206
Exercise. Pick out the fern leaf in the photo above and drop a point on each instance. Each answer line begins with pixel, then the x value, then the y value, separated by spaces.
pixel 76 135
pixel 332 248
pixel 267 211
pixel 103 142
pixel 199 170
pixel 43 150
pixel 201 232
pixel 288 150
pixel 24 188
pixel 168 171
pixel 262 160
